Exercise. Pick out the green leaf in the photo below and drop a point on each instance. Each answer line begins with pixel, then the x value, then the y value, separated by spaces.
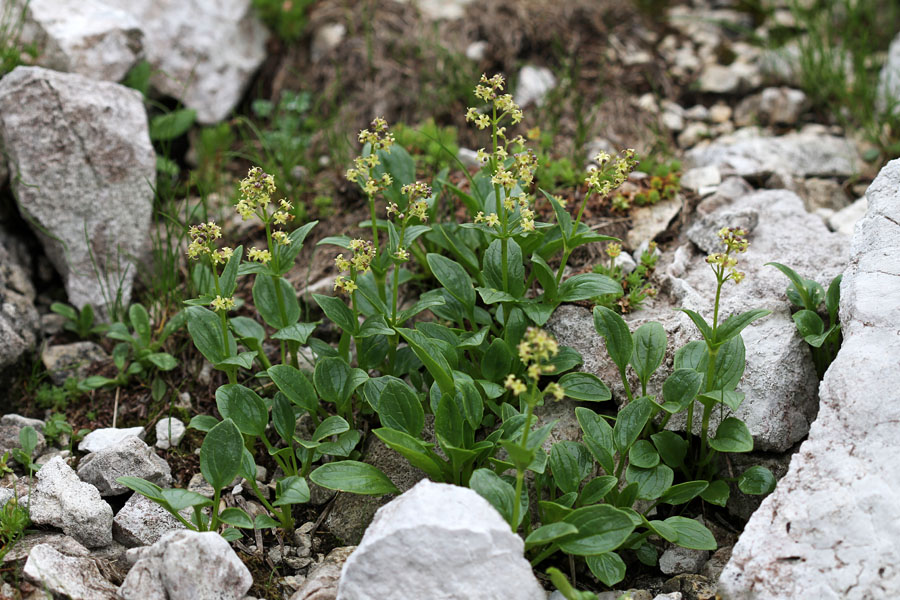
pixel 291 490
pixel 548 533
pixel 434 361
pixel 566 359
pixel 294 384
pixel 562 216
pixel 730 363
pixel 545 276
pixel 142 487
pixel 492 296
pixel 228 279
pixel 65 310
pixel 631 422
pixel 265 296
pixel 453 277
pixel 336 310
pixel 642 454
pixel 587 285
pixel 691 534
pixel 344 445
pixel 243 406
pixel 717 493
pixel 415 451
pixel 584 387
pixel 336 381
pixel 651 483
pixel 663 530
pixel 205 328
pixel 671 447
pixel 692 356
pixel 162 360
pixel 248 331
pixel 231 534
pixel 298 332
pixel 354 477
pixel 333 425
pixel 171 125
pixel 683 492
pixel 649 350
pixel 264 522
pixel 178 499
pixel 244 359
pixel 729 398
pixel 400 408
pixel 734 324
pixel 732 436
pixel 374 325
pixel 601 528
pixel 611 326
pixel 140 321
pixel 570 463
pixel 221 453
pixel 203 423
pixel 596 489
pixel 283 418
pixel 810 326
pixel 700 322
pixel 757 481
pixel 797 286
pixel 607 567
pixel 493 268
pixel 680 388
pixel 598 436
pixel 495 490
pixel 497 360
pixel 833 299
pixel 236 517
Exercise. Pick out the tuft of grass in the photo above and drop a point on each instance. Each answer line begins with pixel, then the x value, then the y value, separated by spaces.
pixel 840 60
pixel 12 16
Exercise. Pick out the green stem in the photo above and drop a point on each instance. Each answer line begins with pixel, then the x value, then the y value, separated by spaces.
pixel 547 552
pixel 520 473
pixel 214 511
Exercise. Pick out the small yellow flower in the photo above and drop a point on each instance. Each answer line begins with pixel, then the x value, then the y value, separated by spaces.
pixel 220 303
pixel 281 237
pixel 555 390
pixel 513 384
pixel 401 254
pixel 613 250
pixel 262 256
pixel 492 220
pixel 346 285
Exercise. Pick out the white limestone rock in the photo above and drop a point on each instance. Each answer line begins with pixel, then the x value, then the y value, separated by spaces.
pixel 533 85
pixel 106 437
pixel 88 37
pixel 169 433
pixel 62 500
pixel 439 541
pixel 186 565
pixel 889 80
pixel 77 578
pixel 797 154
pixel 845 220
pixel 129 458
pixel 202 53
pixel 142 522
pixel 829 530
pixel 86 175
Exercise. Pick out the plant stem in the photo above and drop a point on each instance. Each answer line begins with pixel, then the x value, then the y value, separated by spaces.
pixel 520 473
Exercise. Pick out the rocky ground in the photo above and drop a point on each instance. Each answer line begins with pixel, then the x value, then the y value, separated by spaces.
pixel 691 81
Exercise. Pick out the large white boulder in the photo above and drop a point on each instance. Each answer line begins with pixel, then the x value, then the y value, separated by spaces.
pixel 831 529
pixel 84 176
pixel 439 541
pixel 202 53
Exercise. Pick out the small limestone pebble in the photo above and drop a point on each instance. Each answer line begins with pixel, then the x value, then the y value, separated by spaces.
pixel 129 458
pixel 68 576
pixel 186 565
pixel 469 552
pixel 169 433
pixel 106 437
pixel 677 560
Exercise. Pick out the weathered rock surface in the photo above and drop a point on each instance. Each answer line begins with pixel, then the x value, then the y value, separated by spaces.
pixel 86 173
pixel 779 381
pixel 845 219
pixel 87 37
pixel 67 576
pixel 142 522
pixel 19 319
pixel 533 85
pixel 10 428
pixel 169 432
pixel 439 541
pixel 829 528
pixel 62 500
pixel 60 542
pixel 676 560
pixel 71 360
pixel 129 458
pixel 650 221
pixel 797 154
pixel 202 53
pixel 107 437
pixel 322 581
pixel 186 565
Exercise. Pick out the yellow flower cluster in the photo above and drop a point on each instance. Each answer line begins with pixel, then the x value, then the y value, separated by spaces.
pixel 600 182
pixel 417 206
pixel 488 90
pixel 261 256
pixel 491 220
pixel 378 138
pixel 735 242
pixel 613 250
pixel 537 346
pixel 220 303
pixel 515 385
pixel 256 192
pixel 359 263
pixel 203 240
